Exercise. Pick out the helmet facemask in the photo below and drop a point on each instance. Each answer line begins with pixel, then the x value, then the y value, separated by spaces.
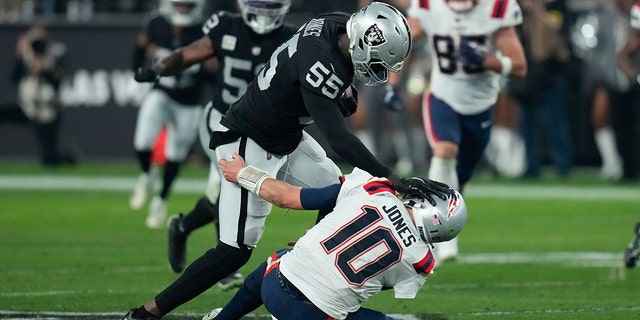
pixel 442 222
pixel 264 16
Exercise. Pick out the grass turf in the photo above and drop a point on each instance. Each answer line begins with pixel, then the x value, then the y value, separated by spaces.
pixel 87 251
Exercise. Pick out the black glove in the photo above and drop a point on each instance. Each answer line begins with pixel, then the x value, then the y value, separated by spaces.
pixel 349 102
pixel 471 54
pixel 392 99
pixel 146 74
pixel 425 188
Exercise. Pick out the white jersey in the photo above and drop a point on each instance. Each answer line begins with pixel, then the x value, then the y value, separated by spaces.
pixel 635 16
pixel 367 243
pixel 467 89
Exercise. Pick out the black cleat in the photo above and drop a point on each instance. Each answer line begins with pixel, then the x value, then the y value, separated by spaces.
pixel 177 244
pixel 129 316
pixel 234 280
pixel 632 253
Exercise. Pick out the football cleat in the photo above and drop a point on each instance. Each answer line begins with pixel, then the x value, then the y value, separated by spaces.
pixel 157 213
pixel 141 191
pixel 212 314
pixel 129 316
pixel 234 280
pixel 632 253
pixel 177 243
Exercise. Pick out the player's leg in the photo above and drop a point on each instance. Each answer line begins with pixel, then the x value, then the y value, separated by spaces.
pixel 206 209
pixel 309 166
pixel 151 119
pixel 475 138
pixel 604 135
pixel 444 133
pixel 181 134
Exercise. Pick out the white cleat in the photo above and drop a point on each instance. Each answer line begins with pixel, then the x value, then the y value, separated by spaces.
pixel 141 191
pixel 157 213
pixel 212 314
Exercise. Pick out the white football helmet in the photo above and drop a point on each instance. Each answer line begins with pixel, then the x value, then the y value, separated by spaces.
pixel 442 222
pixel 379 41
pixel 461 6
pixel 264 16
pixel 182 13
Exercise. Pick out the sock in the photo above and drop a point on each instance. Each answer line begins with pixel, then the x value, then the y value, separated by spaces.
pixel 170 173
pixel 203 213
pixel 144 158
pixel 142 313
pixel 444 170
pixel 606 143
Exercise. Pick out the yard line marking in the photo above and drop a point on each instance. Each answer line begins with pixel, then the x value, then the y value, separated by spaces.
pixel 197 186
pixel 567 259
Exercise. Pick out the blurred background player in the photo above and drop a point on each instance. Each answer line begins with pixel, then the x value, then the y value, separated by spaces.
pixel 393 230
pixel 473 45
pixel 38 71
pixel 542 95
pixel 629 126
pixel 628 63
pixel 174 102
pixel 242 44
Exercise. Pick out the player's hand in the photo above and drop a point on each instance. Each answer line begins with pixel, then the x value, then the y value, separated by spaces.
pixel 231 168
pixel 349 101
pixel 471 53
pixel 425 188
pixel 146 74
pixel 392 99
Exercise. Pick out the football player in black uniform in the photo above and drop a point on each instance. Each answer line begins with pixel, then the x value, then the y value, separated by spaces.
pixel 304 81
pixel 174 102
pixel 242 44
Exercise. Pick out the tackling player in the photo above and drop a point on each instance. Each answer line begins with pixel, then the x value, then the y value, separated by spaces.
pixel 374 239
pixel 473 44
pixel 173 102
pixel 303 82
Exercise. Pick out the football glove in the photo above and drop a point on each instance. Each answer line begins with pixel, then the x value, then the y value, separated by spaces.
pixel 425 188
pixel 349 102
pixel 146 74
pixel 471 54
pixel 392 99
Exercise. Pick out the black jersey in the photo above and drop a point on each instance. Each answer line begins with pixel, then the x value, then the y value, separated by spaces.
pixel 186 87
pixel 273 111
pixel 240 52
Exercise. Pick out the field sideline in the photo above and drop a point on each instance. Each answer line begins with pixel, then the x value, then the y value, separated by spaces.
pixel 72 249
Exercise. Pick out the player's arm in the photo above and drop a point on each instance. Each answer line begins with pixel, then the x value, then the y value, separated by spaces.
pixel 512 62
pixel 183 58
pixel 333 126
pixel 626 55
pixel 275 191
pixel 177 61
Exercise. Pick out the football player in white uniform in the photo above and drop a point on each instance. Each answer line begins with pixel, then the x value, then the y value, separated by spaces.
pixel 473 45
pixel 374 239
pixel 174 102
pixel 629 67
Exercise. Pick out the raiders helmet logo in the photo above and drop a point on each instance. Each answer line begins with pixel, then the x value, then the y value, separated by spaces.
pixel 373 36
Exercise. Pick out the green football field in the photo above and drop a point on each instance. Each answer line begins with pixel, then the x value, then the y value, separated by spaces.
pixel 71 248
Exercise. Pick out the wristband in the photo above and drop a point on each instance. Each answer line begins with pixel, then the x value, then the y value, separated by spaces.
pixel 251 178
pixel 506 65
